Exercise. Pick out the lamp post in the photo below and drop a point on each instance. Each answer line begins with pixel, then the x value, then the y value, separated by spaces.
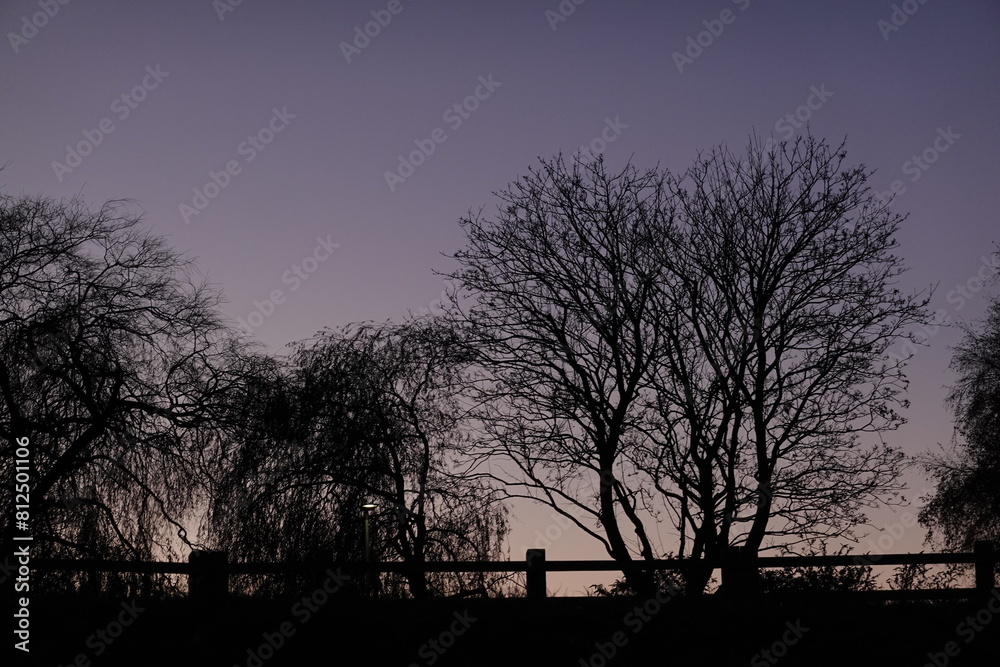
pixel 367 508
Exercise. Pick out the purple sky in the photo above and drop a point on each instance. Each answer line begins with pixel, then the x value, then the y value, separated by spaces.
pixel 893 89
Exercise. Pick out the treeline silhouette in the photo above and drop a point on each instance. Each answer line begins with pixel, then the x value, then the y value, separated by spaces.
pixel 712 350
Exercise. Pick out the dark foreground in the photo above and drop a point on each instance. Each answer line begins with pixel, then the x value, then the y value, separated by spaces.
pixel 552 632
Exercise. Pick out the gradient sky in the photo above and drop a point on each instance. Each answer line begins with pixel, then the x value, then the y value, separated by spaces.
pixel 892 83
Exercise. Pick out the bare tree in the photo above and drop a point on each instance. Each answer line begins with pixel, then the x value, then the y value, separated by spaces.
pixel 111 359
pixel 787 306
pixel 564 316
pixel 710 346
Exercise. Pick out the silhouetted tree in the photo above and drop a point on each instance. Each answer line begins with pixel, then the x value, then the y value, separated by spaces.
pixel 112 359
pixel 368 414
pixel 965 506
pixel 786 305
pixel 564 317
pixel 710 345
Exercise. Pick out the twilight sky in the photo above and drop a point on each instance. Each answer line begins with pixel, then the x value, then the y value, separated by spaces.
pixel 308 126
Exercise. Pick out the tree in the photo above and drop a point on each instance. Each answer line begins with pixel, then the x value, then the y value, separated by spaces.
pixel 112 359
pixel 965 506
pixel 564 319
pixel 778 364
pixel 711 345
pixel 367 414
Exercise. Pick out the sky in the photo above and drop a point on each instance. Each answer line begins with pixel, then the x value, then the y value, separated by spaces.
pixel 315 157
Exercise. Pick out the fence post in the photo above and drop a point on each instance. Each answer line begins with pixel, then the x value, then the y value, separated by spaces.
pixel 985 566
pixel 209 578
pixel 739 572
pixel 319 560
pixel 535 579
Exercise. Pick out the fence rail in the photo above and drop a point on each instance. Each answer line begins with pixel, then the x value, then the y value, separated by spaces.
pixel 209 571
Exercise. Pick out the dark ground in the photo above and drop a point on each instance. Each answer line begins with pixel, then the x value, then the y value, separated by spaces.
pixel 552 632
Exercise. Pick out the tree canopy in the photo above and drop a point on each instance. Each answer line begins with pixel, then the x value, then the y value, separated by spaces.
pixel 114 364
pixel 710 345
pixel 785 303
pixel 368 414
pixel 628 347
pixel 965 505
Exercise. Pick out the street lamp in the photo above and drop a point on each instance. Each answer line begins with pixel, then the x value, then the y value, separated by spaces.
pixel 368 507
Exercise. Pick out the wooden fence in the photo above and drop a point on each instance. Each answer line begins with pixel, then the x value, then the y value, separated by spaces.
pixel 208 572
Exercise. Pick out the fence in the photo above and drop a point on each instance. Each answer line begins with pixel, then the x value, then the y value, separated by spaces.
pixel 209 571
